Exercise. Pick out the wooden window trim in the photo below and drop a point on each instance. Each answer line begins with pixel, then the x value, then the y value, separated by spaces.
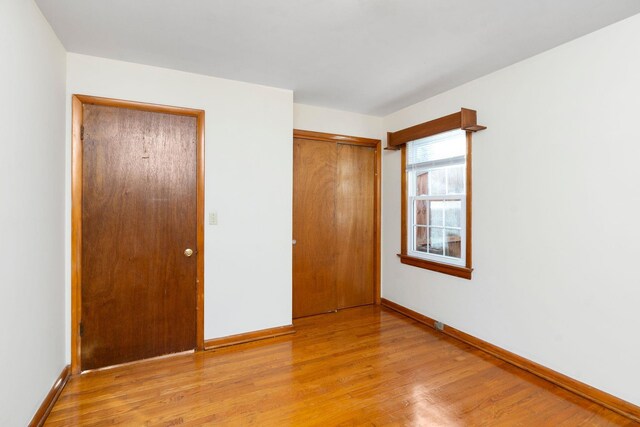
pixel 465 120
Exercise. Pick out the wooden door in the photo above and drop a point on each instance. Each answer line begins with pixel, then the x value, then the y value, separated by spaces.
pixel 334 225
pixel 139 206
pixel 314 227
pixel 355 225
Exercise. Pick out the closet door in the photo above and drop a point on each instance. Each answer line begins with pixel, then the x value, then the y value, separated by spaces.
pixel 334 222
pixel 355 225
pixel 314 227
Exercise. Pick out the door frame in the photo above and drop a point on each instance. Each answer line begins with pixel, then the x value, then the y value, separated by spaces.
pixel 364 142
pixel 76 211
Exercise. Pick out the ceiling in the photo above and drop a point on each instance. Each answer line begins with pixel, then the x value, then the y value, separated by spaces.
pixel 366 56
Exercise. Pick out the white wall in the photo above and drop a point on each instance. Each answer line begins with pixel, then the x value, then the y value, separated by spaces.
pixel 556 235
pixel 318 119
pixel 248 168
pixel 32 80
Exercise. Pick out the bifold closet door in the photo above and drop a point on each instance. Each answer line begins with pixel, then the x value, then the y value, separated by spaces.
pixel 355 225
pixel 333 226
pixel 314 227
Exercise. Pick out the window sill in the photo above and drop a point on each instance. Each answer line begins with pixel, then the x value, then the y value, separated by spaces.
pixel 452 270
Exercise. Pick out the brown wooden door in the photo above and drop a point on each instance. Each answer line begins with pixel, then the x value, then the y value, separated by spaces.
pixel 138 288
pixel 355 229
pixel 314 227
pixel 333 226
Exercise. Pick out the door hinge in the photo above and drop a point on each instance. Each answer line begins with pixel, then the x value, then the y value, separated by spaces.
pixel 82 132
pixel 81 329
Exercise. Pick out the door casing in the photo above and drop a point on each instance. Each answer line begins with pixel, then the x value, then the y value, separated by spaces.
pixel 76 211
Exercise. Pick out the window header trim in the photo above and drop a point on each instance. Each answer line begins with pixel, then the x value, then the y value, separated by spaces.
pixel 465 119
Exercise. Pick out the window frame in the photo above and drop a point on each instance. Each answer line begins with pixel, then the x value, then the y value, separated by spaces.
pixel 466 121
pixel 411 212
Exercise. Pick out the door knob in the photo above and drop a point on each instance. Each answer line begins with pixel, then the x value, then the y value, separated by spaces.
pixel 188 252
pixel 293 242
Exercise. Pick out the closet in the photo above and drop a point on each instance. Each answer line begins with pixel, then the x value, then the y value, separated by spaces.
pixel 335 222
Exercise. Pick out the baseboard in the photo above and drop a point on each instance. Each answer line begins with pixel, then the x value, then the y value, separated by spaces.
pixel 52 397
pixel 248 337
pixel 607 400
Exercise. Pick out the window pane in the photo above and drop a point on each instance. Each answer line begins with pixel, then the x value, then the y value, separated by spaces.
pixel 436 213
pixel 453 243
pixel 436 241
pixel 421 212
pixel 437 181
pixel 421 239
pixel 455 180
pixel 422 183
pixel 438 147
pixel 452 215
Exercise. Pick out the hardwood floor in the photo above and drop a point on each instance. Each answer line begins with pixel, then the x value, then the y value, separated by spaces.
pixel 361 366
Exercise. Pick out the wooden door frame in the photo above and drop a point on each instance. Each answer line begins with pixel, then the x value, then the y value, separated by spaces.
pixel 364 142
pixel 76 211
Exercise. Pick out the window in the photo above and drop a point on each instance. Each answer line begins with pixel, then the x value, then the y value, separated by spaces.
pixel 436 178
pixel 436 192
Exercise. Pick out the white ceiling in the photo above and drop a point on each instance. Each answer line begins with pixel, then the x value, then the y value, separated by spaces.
pixel 367 56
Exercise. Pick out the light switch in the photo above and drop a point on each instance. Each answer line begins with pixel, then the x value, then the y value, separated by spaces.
pixel 213 218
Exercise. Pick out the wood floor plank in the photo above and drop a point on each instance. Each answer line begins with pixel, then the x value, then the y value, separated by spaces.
pixel 363 366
